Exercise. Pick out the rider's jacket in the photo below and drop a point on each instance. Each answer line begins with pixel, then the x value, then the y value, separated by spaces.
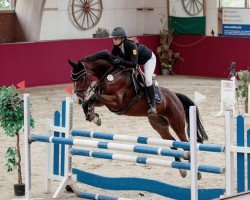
pixel 132 53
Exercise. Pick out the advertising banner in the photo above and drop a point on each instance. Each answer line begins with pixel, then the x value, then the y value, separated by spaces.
pixel 236 22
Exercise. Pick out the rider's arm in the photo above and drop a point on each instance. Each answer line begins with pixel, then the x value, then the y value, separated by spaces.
pixel 133 51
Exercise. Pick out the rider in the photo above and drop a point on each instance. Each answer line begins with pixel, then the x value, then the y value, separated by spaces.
pixel 130 54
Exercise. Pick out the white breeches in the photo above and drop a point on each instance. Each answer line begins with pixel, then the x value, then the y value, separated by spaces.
pixel 149 68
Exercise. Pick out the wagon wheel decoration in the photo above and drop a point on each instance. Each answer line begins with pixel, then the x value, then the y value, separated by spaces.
pixel 192 7
pixel 86 13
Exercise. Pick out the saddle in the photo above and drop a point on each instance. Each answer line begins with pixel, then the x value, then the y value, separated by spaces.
pixel 138 80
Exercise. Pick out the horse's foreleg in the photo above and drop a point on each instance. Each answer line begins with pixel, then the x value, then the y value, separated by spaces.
pixel 88 103
pixel 89 109
pixel 92 116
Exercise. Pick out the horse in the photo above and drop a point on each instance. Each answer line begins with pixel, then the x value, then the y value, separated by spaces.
pixel 116 89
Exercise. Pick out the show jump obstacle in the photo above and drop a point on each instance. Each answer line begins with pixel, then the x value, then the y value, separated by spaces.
pixel 63 137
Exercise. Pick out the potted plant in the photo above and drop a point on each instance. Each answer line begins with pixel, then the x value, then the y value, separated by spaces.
pixel 166 55
pixel 11 120
pixel 242 86
pixel 101 33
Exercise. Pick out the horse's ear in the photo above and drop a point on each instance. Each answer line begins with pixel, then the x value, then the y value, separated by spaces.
pixel 80 64
pixel 71 63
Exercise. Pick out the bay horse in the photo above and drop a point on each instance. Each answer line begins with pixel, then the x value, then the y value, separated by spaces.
pixel 115 88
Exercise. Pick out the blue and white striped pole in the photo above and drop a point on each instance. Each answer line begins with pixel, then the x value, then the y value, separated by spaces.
pixel 89 195
pixel 142 160
pixel 113 146
pixel 146 140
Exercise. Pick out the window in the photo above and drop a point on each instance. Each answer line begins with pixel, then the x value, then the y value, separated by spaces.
pixel 5 5
pixel 234 3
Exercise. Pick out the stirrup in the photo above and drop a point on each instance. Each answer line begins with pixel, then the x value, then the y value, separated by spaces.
pixel 152 111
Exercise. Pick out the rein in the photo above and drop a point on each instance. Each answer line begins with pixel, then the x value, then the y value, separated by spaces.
pixel 102 79
pixel 105 74
pixel 119 72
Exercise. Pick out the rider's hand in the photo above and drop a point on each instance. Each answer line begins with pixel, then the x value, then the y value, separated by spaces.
pixel 117 62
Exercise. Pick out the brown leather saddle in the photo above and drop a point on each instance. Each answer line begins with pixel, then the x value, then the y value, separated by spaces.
pixel 138 80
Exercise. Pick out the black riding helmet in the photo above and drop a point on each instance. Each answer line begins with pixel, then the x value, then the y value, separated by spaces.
pixel 119 32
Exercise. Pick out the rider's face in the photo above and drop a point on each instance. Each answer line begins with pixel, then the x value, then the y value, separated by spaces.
pixel 117 40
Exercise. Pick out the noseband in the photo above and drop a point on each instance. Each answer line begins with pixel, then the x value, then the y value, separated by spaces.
pixel 75 76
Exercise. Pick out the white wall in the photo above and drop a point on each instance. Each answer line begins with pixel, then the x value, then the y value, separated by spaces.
pixel 212 17
pixel 57 23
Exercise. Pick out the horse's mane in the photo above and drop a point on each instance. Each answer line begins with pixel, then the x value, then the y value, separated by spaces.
pixel 104 55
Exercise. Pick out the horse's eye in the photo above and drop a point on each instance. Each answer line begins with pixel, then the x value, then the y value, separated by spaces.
pixel 79 101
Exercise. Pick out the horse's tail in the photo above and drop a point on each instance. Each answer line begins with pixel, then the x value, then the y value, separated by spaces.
pixel 186 102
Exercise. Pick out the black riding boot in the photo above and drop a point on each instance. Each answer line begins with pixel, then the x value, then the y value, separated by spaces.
pixel 151 96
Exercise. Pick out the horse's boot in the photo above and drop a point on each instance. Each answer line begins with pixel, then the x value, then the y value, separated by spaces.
pixel 151 96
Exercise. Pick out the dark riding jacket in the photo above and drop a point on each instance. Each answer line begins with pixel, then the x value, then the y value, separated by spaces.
pixel 133 55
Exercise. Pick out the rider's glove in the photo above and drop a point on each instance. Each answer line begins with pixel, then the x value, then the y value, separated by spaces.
pixel 117 62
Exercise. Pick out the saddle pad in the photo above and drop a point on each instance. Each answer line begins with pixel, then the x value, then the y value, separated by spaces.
pixel 139 86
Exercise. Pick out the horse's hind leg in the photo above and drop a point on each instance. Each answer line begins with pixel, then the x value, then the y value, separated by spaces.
pixel 179 129
pixel 177 123
pixel 161 125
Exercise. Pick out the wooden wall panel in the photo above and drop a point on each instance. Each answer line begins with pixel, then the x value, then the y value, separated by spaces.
pixel 28 19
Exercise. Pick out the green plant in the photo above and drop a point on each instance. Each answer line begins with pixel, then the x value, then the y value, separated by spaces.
pixel 101 33
pixel 11 120
pixel 166 55
pixel 242 86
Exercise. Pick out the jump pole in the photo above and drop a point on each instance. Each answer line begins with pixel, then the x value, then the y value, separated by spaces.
pixel 27 151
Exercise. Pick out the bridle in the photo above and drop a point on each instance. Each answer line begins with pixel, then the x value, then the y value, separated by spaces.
pixel 75 77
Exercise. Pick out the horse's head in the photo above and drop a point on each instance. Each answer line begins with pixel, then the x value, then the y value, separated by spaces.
pixel 97 65
pixel 81 78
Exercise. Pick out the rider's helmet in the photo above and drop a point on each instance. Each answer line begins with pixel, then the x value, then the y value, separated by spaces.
pixel 119 32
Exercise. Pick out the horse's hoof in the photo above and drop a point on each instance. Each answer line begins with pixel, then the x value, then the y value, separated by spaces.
pixel 183 173
pixel 68 188
pixel 97 121
pixel 199 176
